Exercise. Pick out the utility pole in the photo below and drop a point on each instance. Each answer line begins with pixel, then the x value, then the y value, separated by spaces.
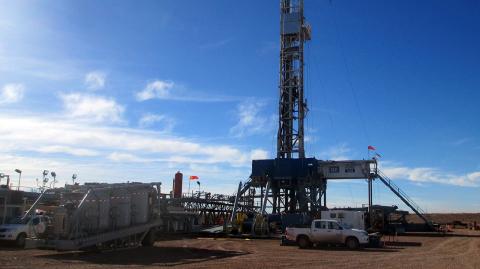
pixel 19 177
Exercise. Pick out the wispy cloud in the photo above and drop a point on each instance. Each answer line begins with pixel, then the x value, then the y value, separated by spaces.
pixel 125 157
pixel 123 168
pixel 337 152
pixel 461 141
pixel 91 107
pixel 268 47
pixel 104 153
pixel 310 134
pixel 95 80
pixel 169 90
pixel 259 154
pixel 158 89
pixel 149 119
pixel 433 175
pixel 216 44
pixel 49 69
pixel 57 134
pixel 75 151
pixel 250 120
pixel 11 93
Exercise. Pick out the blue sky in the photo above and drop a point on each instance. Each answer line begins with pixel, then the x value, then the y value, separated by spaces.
pixel 136 90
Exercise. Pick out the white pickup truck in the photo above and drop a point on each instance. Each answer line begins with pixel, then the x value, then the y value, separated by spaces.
pixel 20 229
pixel 328 232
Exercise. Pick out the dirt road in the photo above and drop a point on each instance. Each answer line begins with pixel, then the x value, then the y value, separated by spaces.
pixel 456 251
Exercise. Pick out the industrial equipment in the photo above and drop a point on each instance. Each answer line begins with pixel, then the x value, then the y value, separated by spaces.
pixel 106 216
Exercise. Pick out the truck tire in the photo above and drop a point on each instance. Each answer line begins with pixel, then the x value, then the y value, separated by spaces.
pixel 303 242
pixel 149 239
pixel 20 241
pixel 352 243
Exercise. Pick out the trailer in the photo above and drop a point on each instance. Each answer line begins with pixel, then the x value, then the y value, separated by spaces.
pixel 352 219
pixel 110 216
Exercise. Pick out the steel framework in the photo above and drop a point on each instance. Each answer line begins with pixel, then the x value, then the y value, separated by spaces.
pixel 214 209
pixel 291 193
pixel 294 32
pixel 297 188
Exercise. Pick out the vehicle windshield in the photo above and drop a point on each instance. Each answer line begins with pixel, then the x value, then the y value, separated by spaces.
pixel 19 220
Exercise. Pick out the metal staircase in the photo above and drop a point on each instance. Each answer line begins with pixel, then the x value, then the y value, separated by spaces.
pixel 405 198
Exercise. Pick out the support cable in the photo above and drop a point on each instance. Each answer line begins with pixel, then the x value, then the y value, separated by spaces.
pixel 349 74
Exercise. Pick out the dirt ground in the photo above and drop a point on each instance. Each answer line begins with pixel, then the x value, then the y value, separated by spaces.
pixel 458 250
pixel 447 218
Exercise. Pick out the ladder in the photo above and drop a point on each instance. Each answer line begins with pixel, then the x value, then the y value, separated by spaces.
pixel 404 197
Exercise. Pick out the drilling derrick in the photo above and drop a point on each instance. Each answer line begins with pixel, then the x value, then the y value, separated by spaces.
pixel 294 32
pixel 291 188
pixel 290 183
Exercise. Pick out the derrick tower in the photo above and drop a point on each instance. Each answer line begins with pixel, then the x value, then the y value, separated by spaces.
pixel 290 183
pixel 294 32
pixel 292 186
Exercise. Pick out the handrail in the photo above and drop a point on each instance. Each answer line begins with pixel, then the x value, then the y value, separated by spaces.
pixel 390 182
pixel 403 196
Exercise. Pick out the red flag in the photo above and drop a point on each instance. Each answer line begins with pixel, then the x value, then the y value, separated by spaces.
pixel 371 148
pixel 193 178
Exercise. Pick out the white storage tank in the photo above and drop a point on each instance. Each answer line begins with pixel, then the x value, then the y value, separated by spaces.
pixel 106 207
pixel 140 205
pixel 103 200
pixel 120 207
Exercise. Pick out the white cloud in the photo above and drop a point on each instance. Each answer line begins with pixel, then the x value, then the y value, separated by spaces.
pixel 338 152
pixel 250 121
pixel 68 150
pixel 259 154
pixel 91 107
pixel 87 171
pixel 434 175
pixel 151 119
pixel 215 177
pixel 309 138
pixel 53 134
pixel 169 90
pixel 11 93
pixel 158 89
pixel 125 157
pixel 115 154
pixel 95 80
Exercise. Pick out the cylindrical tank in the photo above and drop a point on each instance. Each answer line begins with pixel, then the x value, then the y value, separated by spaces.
pixel 140 205
pixel 104 211
pixel 177 185
pixel 120 207
pixel 104 207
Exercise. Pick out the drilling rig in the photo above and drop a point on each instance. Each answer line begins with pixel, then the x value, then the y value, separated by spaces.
pixel 292 187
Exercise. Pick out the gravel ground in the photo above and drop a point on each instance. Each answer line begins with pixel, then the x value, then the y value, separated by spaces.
pixel 458 250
